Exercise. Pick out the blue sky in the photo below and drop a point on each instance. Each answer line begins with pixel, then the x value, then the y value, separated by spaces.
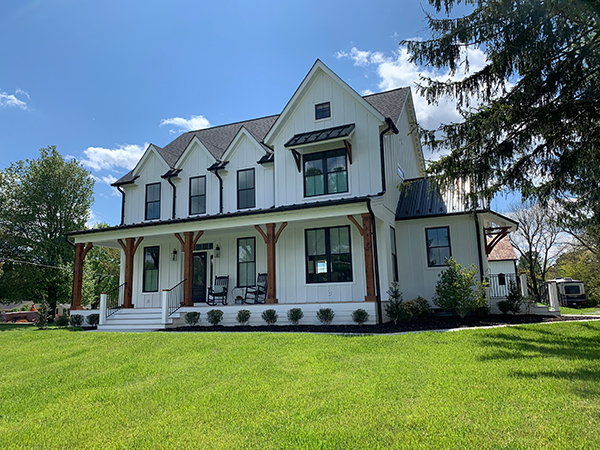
pixel 101 80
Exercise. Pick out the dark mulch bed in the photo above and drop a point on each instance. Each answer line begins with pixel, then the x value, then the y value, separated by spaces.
pixel 434 322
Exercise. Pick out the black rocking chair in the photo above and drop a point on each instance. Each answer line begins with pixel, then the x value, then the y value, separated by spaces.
pixel 219 291
pixel 258 293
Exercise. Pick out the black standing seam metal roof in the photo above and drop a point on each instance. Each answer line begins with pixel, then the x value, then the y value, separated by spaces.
pixel 419 199
pixel 217 139
pixel 321 135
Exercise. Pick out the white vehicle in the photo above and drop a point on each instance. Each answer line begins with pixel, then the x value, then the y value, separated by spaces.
pixel 571 292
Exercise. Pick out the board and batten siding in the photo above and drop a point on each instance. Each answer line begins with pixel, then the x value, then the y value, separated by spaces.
pixel 149 172
pixel 416 278
pixel 364 176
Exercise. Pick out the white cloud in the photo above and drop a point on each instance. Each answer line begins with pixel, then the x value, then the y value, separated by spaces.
pixel 20 91
pixel 92 220
pixel 11 101
pixel 108 179
pixel 181 124
pixel 124 156
pixel 396 71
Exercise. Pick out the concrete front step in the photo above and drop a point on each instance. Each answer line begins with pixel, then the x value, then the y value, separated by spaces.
pixel 134 320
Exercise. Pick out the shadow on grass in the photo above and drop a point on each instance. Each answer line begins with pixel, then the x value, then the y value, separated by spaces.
pixel 16 326
pixel 579 346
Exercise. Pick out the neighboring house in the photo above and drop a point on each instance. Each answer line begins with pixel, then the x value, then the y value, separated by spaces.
pixel 502 262
pixel 308 197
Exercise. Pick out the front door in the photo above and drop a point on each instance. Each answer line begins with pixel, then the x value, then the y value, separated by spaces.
pixel 199 278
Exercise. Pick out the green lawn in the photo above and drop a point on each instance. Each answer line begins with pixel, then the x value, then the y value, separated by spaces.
pixel 565 310
pixel 535 386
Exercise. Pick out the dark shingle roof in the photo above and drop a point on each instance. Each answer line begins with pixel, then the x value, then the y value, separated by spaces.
pixel 217 139
pixel 419 199
pixel 389 103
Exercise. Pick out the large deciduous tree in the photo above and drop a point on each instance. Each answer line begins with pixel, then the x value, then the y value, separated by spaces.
pixel 40 201
pixel 532 113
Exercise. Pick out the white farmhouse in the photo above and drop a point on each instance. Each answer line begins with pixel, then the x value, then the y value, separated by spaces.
pixel 300 209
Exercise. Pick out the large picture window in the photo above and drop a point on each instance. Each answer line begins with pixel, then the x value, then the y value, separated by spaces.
pixel 153 201
pixel 151 255
pixel 325 173
pixel 438 246
pixel 197 195
pixel 245 182
pixel 246 275
pixel 328 256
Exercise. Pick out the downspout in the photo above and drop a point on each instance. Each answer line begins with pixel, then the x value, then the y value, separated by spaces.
pixel 478 234
pixel 392 127
pixel 220 189
pixel 122 203
pixel 174 193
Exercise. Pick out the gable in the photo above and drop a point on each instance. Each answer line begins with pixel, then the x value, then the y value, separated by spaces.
pixel 151 157
pixel 194 146
pixel 246 142
pixel 319 86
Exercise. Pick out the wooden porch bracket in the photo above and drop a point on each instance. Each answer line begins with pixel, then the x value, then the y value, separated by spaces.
pixel 348 150
pixel 81 251
pixel 499 233
pixel 298 159
pixel 366 232
pixel 271 237
pixel 188 243
pixel 129 247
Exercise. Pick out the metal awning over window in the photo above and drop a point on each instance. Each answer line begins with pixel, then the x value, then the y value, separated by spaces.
pixel 328 134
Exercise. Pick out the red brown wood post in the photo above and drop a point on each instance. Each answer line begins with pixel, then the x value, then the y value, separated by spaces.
pixel 81 251
pixel 129 248
pixel 188 243
pixel 271 239
pixel 368 243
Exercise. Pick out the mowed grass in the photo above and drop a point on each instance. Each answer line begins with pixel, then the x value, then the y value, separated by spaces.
pixel 565 310
pixel 534 386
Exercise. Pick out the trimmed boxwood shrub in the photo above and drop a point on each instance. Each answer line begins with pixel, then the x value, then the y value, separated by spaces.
pixel 192 318
pixel 77 320
pixel 270 316
pixel 243 316
pixel 360 316
pixel 62 321
pixel 418 307
pixel 294 315
pixel 214 316
pixel 93 319
pixel 325 315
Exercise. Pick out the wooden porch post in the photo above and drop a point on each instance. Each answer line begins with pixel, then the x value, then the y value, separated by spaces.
pixel 129 248
pixel 187 244
pixel 271 239
pixel 81 251
pixel 366 233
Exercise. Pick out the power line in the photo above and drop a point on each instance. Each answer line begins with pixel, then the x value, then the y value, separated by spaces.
pixel 52 267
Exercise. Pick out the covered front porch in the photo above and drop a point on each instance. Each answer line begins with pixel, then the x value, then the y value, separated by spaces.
pixel 308 256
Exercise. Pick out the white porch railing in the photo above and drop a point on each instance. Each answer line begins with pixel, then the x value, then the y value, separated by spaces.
pixel 172 300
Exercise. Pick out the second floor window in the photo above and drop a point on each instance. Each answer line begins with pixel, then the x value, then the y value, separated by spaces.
pixel 325 173
pixel 197 195
pixel 245 182
pixel 153 201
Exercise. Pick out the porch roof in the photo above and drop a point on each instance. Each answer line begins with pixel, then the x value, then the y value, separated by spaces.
pixel 238 215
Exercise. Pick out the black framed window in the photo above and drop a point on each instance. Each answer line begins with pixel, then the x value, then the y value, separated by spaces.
pixel 151 258
pixel 394 254
pixel 501 279
pixel 328 255
pixel 197 195
pixel 325 173
pixel 245 183
pixel 322 111
pixel 246 269
pixel 438 246
pixel 153 201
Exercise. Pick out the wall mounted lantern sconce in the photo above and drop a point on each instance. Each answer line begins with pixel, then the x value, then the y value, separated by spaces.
pixel 218 252
pixel 174 256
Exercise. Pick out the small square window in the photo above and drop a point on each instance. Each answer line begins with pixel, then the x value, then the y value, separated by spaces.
pixel 322 111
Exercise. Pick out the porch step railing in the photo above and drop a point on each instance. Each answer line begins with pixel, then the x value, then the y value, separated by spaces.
pixel 172 300
pixel 115 300
pixel 499 284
